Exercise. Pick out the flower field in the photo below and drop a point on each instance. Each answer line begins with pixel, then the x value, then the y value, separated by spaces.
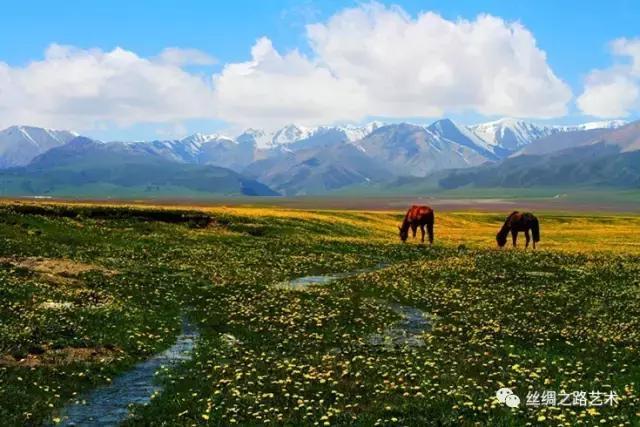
pixel 88 291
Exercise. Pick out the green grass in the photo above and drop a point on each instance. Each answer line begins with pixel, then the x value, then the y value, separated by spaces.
pixel 545 320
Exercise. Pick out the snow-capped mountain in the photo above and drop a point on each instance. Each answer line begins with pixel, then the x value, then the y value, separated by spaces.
pixel 21 144
pixel 303 160
pixel 414 150
pixel 294 135
pixel 447 130
pixel 508 135
pixel 290 134
pixel 354 133
pixel 203 149
pixel 257 137
pixel 605 124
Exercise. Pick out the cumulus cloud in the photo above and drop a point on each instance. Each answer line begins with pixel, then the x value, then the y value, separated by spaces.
pixel 272 89
pixel 614 92
pixel 379 61
pixel 84 89
pixel 369 60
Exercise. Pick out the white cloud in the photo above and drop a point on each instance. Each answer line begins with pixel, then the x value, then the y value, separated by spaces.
pixel 273 89
pixel 631 49
pixel 369 60
pixel 614 92
pixel 84 89
pixel 379 61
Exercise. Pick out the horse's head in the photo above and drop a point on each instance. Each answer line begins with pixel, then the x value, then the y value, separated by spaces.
pixel 501 239
pixel 404 233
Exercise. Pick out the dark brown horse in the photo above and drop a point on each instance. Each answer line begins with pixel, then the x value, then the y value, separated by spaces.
pixel 516 222
pixel 417 216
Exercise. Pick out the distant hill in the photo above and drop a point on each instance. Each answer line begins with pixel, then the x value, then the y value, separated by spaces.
pixel 87 168
pixel 406 149
pixel 318 170
pixel 627 138
pixel 594 165
pixel 562 141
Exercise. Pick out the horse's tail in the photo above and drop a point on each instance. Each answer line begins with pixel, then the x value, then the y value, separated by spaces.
pixel 430 222
pixel 535 230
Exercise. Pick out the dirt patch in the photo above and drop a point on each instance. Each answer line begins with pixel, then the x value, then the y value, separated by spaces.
pixel 56 270
pixel 63 356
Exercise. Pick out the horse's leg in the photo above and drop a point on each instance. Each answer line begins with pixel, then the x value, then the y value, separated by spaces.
pixel 514 237
pixel 526 235
pixel 422 231
pixel 414 228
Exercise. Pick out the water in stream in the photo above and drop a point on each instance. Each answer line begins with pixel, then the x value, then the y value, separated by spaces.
pixel 302 283
pixel 407 331
pixel 109 405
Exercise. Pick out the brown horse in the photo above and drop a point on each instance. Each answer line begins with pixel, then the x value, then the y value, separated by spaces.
pixel 516 222
pixel 417 216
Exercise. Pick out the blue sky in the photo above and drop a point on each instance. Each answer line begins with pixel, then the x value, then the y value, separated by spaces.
pixel 575 35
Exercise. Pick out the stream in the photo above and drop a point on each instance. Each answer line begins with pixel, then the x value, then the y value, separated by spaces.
pixel 407 331
pixel 108 405
pixel 302 283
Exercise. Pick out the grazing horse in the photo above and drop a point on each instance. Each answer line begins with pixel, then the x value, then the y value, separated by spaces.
pixel 417 216
pixel 519 221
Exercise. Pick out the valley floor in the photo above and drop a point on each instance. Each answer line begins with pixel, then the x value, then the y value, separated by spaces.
pixel 88 291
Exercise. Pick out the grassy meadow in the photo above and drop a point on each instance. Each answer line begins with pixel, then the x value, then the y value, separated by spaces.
pixel 87 291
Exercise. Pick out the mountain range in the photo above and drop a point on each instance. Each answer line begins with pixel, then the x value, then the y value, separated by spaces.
pixel 87 168
pixel 297 160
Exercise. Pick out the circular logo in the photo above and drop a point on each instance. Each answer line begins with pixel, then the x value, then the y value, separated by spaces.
pixel 512 401
pixel 503 393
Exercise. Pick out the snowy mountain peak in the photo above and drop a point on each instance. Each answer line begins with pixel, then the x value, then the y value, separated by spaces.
pixel 20 144
pixel 254 132
pixel 291 133
pixel 509 134
pixel 447 129
pixel 605 124
pixel 256 137
pixel 354 133
pixel 443 126
pixel 201 138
